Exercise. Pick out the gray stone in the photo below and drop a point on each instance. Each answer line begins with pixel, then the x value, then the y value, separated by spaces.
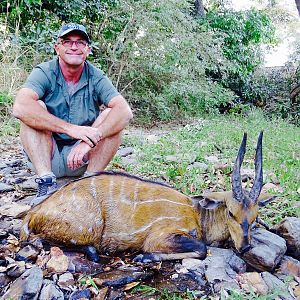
pixel 29 184
pixel 6 171
pixel 27 286
pixel 212 158
pixel 289 229
pixel 66 281
pixel 4 280
pixel 220 268
pixel 123 152
pixel 267 250
pixel 152 139
pixel 171 158
pixel 200 166
pixel 289 266
pixel 5 187
pixel 129 161
pixel 13 209
pixel 275 284
pixel 2 165
pixel 80 295
pixel 27 253
pixel 192 263
pixel 16 269
pixel 50 291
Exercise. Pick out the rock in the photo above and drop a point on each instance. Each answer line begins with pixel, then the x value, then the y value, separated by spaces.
pixel 29 184
pixel 13 209
pixel 271 186
pixel 5 187
pixel 58 262
pixel 50 291
pixel 267 250
pixel 212 159
pixel 79 264
pixel 192 263
pixel 6 171
pixel 220 268
pixel 2 165
pixel 81 295
pixel 253 282
pixel 16 269
pixel 27 286
pixel 201 167
pixel 289 266
pixel 247 174
pixel 152 138
pixel 123 152
pixel 65 281
pixel 4 280
pixel 27 253
pixel 276 285
pixel 289 229
pixel 171 158
pixel 129 161
pixel 117 278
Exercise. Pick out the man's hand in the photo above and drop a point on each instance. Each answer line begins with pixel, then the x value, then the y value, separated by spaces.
pixel 78 155
pixel 89 135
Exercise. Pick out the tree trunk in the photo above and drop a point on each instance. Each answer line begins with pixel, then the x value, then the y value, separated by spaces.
pixel 199 8
pixel 298 6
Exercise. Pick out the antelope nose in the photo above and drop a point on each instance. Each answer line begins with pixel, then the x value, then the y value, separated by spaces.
pixel 245 248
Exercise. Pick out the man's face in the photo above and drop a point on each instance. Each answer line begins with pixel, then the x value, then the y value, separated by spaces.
pixel 72 49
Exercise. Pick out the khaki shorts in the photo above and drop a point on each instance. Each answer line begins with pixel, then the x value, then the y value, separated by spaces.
pixel 59 162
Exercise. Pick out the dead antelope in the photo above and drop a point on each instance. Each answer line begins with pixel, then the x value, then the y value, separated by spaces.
pixel 116 212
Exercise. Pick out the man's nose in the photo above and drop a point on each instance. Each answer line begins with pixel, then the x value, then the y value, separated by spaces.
pixel 74 45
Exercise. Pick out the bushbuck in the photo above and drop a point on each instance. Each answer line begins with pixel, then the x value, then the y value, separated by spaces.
pixel 112 212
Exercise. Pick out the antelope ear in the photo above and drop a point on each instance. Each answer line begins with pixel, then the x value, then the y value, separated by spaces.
pixel 211 200
pixel 265 198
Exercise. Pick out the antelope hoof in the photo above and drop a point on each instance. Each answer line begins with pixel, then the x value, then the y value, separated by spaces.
pixel 91 253
pixel 146 258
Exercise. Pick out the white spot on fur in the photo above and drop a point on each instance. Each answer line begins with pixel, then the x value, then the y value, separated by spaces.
pixel 93 188
pixel 73 242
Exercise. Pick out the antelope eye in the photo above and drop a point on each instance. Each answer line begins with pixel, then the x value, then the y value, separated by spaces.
pixel 230 214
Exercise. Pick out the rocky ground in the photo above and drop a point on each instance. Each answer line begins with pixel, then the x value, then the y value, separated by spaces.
pixel 39 271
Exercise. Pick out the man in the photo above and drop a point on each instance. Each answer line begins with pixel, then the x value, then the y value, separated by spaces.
pixel 62 130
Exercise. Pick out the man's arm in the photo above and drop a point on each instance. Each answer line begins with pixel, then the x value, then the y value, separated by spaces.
pixel 27 109
pixel 118 117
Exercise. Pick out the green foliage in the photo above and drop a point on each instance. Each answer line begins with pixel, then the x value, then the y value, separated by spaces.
pixel 167 63
pixel 220 137
pixel 243 32
pixel 145 291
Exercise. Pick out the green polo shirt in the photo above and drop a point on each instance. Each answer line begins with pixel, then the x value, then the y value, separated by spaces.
pixel 81 107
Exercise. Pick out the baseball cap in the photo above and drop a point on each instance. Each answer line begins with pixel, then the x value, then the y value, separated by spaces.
pixel 70 27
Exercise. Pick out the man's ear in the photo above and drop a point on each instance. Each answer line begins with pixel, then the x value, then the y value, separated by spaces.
pixel 265 198
pixel 56 49
pixel 211 200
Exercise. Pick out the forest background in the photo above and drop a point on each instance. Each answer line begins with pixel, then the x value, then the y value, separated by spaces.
pixel 198 67
pixel 171 59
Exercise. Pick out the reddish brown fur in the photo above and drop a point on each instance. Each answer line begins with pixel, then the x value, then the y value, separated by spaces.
pixel 113 212
pixel 117 212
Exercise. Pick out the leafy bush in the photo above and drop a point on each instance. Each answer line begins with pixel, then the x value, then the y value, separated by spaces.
pixel 244 32
pixel 166 62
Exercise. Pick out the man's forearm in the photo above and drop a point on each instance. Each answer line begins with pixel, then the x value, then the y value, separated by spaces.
pixel 116 120
pixel 37 117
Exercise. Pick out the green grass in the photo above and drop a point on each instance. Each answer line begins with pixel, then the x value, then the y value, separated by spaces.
pixel 221 136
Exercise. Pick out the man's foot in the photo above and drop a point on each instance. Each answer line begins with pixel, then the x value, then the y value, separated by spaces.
pixel 46 186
